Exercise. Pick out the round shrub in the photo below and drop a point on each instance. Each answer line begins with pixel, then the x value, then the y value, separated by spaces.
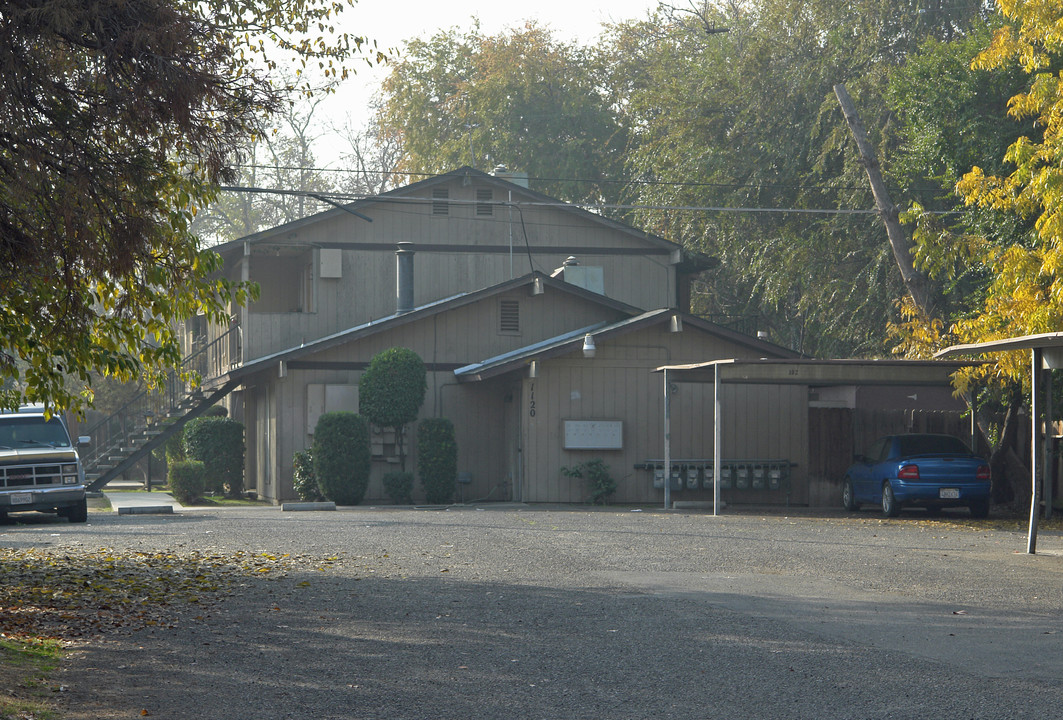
pixel 303 479
pixel 187 480
pixel 399 487
pixel 437 459
pixel 219 444
pixel 341 457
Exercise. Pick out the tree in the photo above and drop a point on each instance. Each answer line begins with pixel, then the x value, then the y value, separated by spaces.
pixel 277 177
pixel 748 119
pixel 391 392
pixel 119 121
pixel 519 99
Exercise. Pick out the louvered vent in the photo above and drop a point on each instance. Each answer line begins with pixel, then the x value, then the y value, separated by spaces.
pixel 510 316
pixel 483 201
pixel 440 206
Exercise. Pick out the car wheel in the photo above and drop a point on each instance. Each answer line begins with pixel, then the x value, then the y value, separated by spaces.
pixel 77 513
pixel 849 496
pixel 890 506
pixel 980 509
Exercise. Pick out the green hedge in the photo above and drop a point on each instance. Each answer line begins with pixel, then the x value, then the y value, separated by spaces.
pixel 341 457
pixel 437 459
pixel 399 487
pixel 219 444
pixel 187 480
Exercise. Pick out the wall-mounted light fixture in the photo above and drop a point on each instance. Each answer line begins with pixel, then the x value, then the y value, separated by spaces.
pixel 589 348
pixel 676 324
pixel 537 286
pixel 533 369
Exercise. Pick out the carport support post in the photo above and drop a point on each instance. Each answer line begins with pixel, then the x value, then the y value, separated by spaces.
pixel 667 443
pixel 716 433
pixel 1035 447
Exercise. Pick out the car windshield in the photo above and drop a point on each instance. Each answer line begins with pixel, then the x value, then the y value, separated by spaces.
pixel 20 431
pixel 909 445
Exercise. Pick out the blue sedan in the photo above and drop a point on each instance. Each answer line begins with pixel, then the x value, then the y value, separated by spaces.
pixel 918 470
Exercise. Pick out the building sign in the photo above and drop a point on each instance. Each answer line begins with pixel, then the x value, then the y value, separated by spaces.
pixel 594 434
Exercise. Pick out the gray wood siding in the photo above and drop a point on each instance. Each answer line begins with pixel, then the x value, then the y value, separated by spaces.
pixel 763 422
pixel 454 254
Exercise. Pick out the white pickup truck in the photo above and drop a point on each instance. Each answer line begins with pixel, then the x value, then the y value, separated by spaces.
pixel 39 466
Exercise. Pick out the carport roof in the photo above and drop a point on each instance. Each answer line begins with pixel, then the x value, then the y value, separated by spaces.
pixel 820 373
pixel 1025 342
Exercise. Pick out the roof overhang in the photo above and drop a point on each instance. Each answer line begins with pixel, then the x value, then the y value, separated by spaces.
pixel 820 373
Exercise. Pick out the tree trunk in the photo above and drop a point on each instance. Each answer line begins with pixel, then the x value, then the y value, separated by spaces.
pixel 916 283
pixel 1011 474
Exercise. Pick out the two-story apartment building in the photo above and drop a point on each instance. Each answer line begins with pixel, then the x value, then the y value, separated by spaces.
pixel 539 323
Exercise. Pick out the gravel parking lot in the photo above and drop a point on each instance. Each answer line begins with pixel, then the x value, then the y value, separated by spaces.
pixel 533 612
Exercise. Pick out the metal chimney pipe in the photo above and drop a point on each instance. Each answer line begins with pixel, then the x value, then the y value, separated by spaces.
pixel 404 278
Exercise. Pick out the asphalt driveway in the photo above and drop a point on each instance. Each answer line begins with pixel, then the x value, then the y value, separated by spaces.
pixel 529 612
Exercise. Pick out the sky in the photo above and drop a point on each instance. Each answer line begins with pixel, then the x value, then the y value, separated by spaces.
pixel 391 22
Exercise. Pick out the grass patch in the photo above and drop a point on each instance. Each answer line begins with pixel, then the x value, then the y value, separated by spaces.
pixel 25 665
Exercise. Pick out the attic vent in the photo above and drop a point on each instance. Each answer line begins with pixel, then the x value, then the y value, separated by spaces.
pixel 440 206
pixel 483 201
pixel 509 317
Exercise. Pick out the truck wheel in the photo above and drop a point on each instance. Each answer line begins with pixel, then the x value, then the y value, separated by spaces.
pixel 77 513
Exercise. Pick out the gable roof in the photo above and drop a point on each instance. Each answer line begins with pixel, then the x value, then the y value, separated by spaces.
pixel 405 194
pixel 573 340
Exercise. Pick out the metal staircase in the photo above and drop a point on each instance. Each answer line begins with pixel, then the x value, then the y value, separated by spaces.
pixel 146 422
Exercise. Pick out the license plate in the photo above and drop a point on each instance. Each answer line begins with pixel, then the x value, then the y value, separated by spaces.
pixel 21 498
pixel 949 493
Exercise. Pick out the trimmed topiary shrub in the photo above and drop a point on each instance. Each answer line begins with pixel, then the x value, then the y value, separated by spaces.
pixel 341 457
pixel 219 444
pixel 399 487
pixel 303 479
pixel 391 392
pixel 187 480
pixel 437 459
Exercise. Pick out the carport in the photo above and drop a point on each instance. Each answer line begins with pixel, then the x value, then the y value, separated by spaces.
pixel 1046 354
pixel 810 373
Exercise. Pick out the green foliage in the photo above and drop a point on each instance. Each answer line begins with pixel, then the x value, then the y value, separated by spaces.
pixel 437 459
pixel 596 473
pixel 341 457
pixel 218 443
pixel 391 391
pixel 399 487
pixel 748 119
pixel 304 481
pixel 520 98
pixel 97 261
pixel 187 480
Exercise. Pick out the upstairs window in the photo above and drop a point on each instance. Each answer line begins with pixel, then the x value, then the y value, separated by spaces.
pixel 440 206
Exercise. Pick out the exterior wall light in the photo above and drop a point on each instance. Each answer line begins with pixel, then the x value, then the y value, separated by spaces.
pixel 589 348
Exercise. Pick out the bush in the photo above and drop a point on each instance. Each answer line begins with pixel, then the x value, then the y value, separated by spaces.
pixel 341 457
pixel 219 444
pixel 437 459
pixel 187 480
pixel 303 479
pixel 596 473
pixel 399 487
pixel 391 392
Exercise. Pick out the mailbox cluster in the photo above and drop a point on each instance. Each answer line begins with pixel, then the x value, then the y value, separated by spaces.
pixel 734 474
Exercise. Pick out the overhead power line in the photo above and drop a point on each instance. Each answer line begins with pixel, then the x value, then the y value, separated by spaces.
pixel 335 198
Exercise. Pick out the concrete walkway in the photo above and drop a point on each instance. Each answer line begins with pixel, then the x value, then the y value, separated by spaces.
pixel 136 503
